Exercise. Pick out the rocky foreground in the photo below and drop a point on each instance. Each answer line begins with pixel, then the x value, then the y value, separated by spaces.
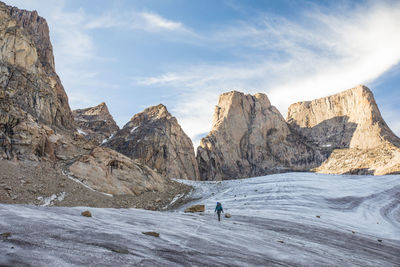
pixel 43 184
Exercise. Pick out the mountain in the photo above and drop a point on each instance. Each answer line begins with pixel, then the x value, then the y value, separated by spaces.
pixel 154 138
pixel 96 123
pixel 349 129
pixel 339 134
pixel 33 103
pixel 249 138
pixel 42 156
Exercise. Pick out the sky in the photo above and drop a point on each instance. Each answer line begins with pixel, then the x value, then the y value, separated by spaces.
pixel 134 54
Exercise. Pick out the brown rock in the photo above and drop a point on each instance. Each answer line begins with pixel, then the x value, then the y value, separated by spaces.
pixel 350 131
pixel 27 67
pixel 154 138
pixel 86 213
pixel 108 171
pixel 250 138
pixel 228 215
pixel 33 102
pixel 96 123
pixel 195 208
pixel 5 235
pixel 155 234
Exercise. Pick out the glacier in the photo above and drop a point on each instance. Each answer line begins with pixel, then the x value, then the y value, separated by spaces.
pixel 291 219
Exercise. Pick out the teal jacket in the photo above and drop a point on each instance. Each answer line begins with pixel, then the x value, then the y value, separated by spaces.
pixel 219 208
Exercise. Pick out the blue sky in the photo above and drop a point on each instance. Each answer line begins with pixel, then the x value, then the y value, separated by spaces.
pixel 134 54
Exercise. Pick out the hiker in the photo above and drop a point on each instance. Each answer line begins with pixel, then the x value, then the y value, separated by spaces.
pixel 218 210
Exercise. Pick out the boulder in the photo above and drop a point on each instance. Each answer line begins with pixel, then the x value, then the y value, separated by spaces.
pixel 228 215
pixel 155 234
pixel 86 213
pixel 154 138
pixel 195 208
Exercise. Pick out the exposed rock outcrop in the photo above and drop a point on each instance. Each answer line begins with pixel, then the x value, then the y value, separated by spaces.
pixel 154 138
pixel 250 138
pixel 37 131
pixel 110 172
pixel 28 75
pixel 95 123
pixel 349 129
pixel 33 103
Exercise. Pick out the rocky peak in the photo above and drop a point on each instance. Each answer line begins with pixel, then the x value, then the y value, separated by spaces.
pixel 152 113
pixel 95 123
pixel 249 137
pixel 350 119
pixel 349 130
pixel 154 138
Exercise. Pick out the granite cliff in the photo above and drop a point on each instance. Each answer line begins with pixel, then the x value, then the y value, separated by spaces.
pixel 341 134
pixel 154 138
pixel 249 138
pixel 349 130
pixel 33 103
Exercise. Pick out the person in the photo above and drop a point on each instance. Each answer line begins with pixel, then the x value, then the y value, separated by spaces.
pixel 218 210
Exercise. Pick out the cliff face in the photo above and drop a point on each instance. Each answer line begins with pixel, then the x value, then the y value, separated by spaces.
pixel 28 76
pixel 350 130
pixel 250 138
pixel 96 123
pixel 154 138
pixel 33 103
pixel 37 127
pixel 350 119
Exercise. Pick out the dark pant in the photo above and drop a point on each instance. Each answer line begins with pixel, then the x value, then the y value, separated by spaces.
pixel 219 215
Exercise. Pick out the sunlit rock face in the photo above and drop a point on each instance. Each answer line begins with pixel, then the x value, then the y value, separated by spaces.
pixel 108 171
pixel 95 123
pixel 249 138
pixel 154 138
pixel 351 132
pixel 33 103
pixel 37 125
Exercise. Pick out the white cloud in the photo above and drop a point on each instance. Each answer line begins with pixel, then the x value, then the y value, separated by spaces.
pixel 328 52
pixel 155 21
pixel 144 21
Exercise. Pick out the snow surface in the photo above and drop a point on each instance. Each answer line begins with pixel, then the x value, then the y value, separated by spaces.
pixel 134 129
pixel 85 185
pixel 81 132
pixel 107 139
pixel 48 201
pixel 273 223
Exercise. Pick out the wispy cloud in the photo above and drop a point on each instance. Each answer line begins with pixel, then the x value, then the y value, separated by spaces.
pixel 135 20
pixel 154 21
pixel 326 52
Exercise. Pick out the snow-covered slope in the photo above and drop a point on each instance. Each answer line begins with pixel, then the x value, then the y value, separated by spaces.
pixel 362 203
pixel 273 223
